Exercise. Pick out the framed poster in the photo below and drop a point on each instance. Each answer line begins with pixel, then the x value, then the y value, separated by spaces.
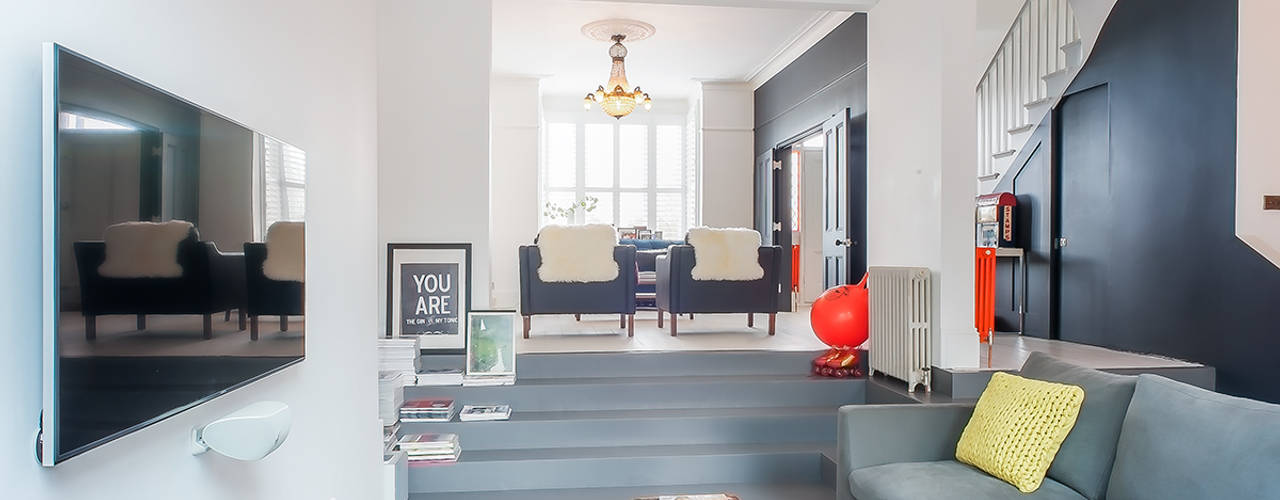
pixel 491 344
pixel 429 294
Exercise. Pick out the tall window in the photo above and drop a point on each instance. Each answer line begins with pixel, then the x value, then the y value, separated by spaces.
pixel 634 172
pixel 284 182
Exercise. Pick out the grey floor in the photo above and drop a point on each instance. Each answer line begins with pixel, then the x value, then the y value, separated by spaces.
pixel 177 335
pixel 1009 351
pixel 726 332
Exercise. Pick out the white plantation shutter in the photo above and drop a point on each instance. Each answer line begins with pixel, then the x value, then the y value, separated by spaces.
pixel 599 155
pixel 284 182
pixel 638 171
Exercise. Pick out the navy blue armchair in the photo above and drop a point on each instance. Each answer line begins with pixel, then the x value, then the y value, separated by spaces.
pixel 607 297
pixel 209 283
pixel 678 293
pixel 268 297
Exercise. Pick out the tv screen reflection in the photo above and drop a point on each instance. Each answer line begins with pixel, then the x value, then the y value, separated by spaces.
pixel 180 254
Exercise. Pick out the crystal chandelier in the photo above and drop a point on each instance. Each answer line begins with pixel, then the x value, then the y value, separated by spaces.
pixel 614 98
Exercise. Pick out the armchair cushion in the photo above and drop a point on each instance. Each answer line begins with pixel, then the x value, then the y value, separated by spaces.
pixel 144 249
pixel 577 254
pixel 725 254
pixel 286 253
pixel 941 480
pixel 1084 460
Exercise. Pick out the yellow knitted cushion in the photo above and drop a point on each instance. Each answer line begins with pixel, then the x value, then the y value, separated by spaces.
pixel 1017 427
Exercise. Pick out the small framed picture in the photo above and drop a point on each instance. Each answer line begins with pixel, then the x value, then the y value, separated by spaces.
pixel 491 344
pixel 429 294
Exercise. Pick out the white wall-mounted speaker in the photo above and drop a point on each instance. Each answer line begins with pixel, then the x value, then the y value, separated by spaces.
pixel 250 433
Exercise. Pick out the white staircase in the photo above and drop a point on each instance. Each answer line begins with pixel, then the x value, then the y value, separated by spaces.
pixel 1040 55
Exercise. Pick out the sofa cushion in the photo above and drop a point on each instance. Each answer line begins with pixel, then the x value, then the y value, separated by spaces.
pixel 647 260
pixel 1017 427
pixel 947 479
pixel 1183 442
pixel 649 244
pixel 1084 460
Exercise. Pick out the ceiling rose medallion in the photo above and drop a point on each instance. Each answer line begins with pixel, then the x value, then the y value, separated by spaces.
pixel 613 97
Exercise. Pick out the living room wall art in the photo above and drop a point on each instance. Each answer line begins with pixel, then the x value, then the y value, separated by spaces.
pixel 429 294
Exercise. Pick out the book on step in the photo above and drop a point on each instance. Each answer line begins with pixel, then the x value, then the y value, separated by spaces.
pixel 427 410
pixel 430 447
pixel 440 376
pixel 480 413
pixel 488 380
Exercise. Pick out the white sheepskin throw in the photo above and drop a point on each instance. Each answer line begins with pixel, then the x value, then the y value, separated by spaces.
pixel 286 254
pixel 143 249
pixel 725 254
pixel 577 254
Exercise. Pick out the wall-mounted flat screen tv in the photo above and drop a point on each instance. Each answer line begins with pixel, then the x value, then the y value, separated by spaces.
pixel 173 254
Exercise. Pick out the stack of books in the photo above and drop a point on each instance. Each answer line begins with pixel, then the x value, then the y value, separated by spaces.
pixel 400 354
pixel 391 395
pixel 473 380
pixel 479 413
pixel 427 410
pixel 440 376
pixel 389 433
pixel 430 448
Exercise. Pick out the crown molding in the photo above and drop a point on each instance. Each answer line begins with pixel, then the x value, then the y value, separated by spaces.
pixel 797 45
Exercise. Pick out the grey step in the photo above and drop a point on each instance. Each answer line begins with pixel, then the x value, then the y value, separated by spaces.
pixel 647 393
pixel 598 428
pixel 607 467
pixel 747 491
pixel 639 364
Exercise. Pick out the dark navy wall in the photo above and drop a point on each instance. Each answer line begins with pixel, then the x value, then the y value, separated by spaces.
pixel 1178 282
pixel 830 76
pixel 827 79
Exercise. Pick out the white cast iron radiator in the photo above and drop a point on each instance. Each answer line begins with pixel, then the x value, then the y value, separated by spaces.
pixel 900 306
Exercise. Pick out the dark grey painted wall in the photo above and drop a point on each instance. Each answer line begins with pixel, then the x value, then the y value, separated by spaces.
pixel 827 79
pixel 830 76
pixel 1179 282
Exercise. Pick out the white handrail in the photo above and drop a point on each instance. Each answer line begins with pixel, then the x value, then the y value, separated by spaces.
pixel 1014 83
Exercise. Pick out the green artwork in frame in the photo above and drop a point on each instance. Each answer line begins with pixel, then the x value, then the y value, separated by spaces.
pixel 491 343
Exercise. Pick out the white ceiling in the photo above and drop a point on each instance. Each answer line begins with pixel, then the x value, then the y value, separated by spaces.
pixel 692 42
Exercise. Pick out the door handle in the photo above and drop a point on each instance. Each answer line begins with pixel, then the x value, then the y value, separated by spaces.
pixel 845 241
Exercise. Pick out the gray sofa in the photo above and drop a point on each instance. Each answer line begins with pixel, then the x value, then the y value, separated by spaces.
pixel 1139 437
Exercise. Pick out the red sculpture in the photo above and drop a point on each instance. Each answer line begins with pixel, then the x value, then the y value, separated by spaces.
pixel 839 318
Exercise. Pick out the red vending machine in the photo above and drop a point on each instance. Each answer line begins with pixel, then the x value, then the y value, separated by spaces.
pixel 994 220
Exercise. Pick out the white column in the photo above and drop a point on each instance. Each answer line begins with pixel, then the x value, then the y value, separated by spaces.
pixel 922 72
pixel 728 138
pixel 513 171
pixel 433 129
